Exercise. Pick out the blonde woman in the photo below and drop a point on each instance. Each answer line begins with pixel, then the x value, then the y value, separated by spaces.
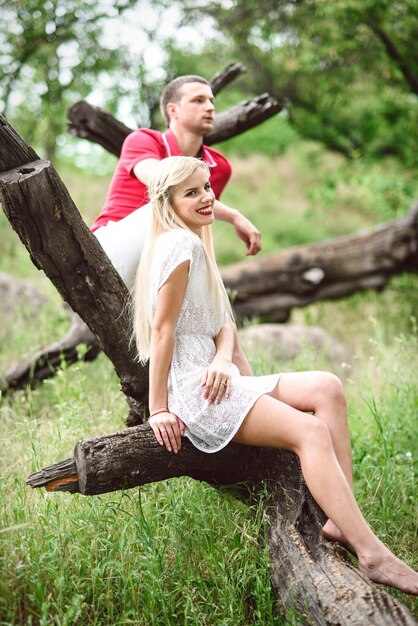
pixel 183 324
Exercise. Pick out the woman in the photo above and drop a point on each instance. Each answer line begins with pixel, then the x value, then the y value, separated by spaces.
pixel 184 325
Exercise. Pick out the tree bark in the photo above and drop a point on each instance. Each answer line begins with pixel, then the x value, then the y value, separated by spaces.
pixel 226 76
pixel 42 213
pixel 43 363
pixel 271 286
pixel 98 126
pixel 306 572
pixel 394 54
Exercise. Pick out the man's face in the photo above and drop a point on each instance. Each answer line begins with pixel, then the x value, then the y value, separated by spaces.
pixel 194 110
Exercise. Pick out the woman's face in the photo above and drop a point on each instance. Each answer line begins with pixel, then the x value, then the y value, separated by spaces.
pixel 193 201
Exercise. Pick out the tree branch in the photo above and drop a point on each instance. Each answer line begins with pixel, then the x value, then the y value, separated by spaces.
pixel 394 54
pixel 96 125
pixel 226 76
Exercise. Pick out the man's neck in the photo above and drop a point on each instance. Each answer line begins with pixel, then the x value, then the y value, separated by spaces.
pixel 189 143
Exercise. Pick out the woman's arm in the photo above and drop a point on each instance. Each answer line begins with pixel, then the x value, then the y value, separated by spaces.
pixel 216 379
pixel 167 427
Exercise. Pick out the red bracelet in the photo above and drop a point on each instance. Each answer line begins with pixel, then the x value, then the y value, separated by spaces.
pixel 164 410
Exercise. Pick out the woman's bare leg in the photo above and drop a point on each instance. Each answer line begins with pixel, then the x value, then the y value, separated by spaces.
pixel 322 394
pixel 272 423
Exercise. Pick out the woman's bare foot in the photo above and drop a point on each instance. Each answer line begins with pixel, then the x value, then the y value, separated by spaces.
pixel 331 532
pixel 387 569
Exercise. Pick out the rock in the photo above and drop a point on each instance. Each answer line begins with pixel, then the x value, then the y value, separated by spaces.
pixel 16 292
pixel 285 342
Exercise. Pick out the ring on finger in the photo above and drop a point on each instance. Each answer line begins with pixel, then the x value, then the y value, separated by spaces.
pixel 224 384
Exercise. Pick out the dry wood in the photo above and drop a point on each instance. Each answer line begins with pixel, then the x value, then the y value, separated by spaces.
pixel 41 211
pixel 44 362
pixel 297 276
pixel 96 125
pixel 306 572
pixel 225 77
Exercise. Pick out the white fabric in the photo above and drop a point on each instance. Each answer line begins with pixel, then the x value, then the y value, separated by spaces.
pixel 209 427
pixel 124 241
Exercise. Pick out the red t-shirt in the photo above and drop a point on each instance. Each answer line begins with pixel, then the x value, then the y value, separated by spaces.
pixel 127 193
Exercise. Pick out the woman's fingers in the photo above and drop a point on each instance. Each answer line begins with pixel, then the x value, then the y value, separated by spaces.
pixel 220 388
pixel 182 426
pixel 228 387
pixel 209 382
pixel 167 431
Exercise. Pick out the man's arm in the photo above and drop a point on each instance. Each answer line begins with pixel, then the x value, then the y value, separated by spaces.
pixel 144 169
pixel 245 229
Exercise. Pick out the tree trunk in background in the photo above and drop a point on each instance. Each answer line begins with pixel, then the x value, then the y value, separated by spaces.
pixel 99 126
pixel 271 286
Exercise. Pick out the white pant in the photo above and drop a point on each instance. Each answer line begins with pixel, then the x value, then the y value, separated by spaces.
pixel 124 241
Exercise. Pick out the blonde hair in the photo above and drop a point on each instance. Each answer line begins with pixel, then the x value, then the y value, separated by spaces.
pixel 168 174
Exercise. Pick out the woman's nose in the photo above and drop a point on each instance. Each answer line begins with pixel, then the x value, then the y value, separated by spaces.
pixel 208 195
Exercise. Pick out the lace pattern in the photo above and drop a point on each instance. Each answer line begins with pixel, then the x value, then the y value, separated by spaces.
pixel 209 427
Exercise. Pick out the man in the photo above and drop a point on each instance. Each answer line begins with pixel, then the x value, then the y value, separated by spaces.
pixel 121 228
pixel 187 105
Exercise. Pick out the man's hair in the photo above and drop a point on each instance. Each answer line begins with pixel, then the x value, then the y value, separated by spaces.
pixel 171 92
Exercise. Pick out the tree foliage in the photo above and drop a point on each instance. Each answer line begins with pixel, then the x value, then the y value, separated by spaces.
pixel 349 68
pixel 52 53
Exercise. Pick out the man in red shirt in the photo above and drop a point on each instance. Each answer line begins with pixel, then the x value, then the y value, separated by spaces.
pixel 121 227
pixel 187 104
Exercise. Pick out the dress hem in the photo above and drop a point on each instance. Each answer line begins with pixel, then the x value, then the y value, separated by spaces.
pixel 238 425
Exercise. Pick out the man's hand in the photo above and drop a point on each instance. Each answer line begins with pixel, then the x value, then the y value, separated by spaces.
pixel 249 234
pixel 245 229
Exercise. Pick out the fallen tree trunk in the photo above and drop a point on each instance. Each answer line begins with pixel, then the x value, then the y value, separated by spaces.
pixel 271 286
pixel 306 573
pixel 44 362
pixel 101 127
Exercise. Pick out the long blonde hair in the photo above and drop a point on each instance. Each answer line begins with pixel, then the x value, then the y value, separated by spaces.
pixel 168 174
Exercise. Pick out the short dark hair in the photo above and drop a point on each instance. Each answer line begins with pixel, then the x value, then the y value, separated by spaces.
pixel 171 91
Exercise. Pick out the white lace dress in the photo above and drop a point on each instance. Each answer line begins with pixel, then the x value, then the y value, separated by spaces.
pixel 209 427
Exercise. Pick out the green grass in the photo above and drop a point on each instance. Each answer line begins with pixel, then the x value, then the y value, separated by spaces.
pixel 179 552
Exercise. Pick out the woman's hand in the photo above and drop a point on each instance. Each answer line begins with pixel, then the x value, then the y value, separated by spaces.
pixel 168 430
pixel 216 380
